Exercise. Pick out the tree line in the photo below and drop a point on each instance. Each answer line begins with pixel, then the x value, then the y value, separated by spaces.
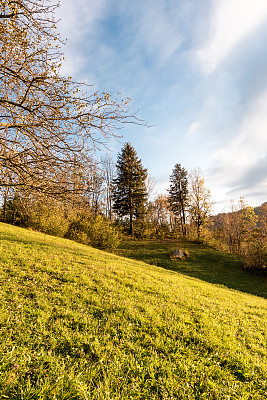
pixel 117 203
pixel 119 193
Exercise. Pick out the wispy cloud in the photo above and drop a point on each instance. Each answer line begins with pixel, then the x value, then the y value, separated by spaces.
pixel 156 30
pixel 79 17
pixel 122 38
pixel 195 69
pixel 240 165
pixel 232 22
pixel 194 128
pixel 234 95
pixel 78 20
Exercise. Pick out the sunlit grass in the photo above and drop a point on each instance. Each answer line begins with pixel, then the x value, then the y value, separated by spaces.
pixel 78 323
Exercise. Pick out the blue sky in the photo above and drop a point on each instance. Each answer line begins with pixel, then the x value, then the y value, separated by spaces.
pixel 196 70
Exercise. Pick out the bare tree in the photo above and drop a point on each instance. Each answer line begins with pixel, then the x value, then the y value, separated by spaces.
pixel 109 172
pixel 150 185
pixel 48 123
pixel 263 221
pixel 95 191
pixel 159 213
pixel 199 200
pixel 238 226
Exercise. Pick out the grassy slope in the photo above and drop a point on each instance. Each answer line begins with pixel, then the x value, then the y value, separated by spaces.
pixel 77 323
pixel 204 263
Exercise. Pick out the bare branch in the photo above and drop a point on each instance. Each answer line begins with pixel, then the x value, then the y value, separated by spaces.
pixel 49 124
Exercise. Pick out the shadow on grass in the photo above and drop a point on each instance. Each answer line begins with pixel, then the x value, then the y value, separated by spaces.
pixel 204 263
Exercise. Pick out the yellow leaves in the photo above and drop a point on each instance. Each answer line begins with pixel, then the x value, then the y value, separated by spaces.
pixel 106 96
pixel 43 108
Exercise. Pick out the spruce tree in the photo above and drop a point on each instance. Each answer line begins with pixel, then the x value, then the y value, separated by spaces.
pixel 178 194
pixel 129 188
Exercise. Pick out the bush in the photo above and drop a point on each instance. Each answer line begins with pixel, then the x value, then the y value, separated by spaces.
pixel 41 213
pixel 102 234
pixel 256 258
pixel 52 223
pixel 15 212
pixel 96 231
pixel 48 216
pixel 54 217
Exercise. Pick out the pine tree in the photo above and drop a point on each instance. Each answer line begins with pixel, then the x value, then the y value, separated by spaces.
pixel 178 194
pixel 129 188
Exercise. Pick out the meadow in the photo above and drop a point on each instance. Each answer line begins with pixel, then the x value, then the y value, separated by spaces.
pixel 204 263
pixel 79 323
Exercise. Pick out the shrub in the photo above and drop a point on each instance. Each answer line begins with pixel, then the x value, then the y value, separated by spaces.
pixel 256 257
pixel 102 234
pixel 48 216
pixel 96 231
pixel 51 223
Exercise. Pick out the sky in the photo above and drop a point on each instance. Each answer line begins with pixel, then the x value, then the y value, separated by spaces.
pixel 196 71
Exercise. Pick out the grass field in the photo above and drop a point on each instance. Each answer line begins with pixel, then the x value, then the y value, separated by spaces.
pixel 205 263
pixel 78 323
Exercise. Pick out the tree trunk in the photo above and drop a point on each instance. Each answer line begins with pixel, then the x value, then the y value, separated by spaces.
pixel 131 226
pixel 5 205
pixel 131 218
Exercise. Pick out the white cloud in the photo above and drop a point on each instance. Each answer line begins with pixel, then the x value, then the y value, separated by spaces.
pixel 144 49
pixel 193 128
pixel 251 142
pixel 77 25
pixel 77 18
pixel 238 165
pixel 148 30
pixel 231 22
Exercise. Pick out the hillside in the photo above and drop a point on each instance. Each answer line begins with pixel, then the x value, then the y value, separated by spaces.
pixel 205 263
pixel 78 323
pixel 260 211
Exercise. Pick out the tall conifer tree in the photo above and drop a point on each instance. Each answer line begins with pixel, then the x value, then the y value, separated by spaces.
pixel 129 188
pixel 178 194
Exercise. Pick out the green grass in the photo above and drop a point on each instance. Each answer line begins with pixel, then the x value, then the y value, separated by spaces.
pixel 205 263
pixel 78 323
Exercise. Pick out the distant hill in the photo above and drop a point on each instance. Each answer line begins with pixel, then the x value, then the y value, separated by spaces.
pixel 259 211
